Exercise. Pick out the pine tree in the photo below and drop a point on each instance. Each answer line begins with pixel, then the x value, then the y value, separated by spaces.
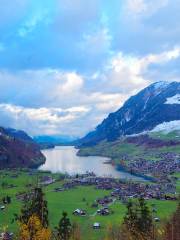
pixel 8 199
pixel 39 206
pixel 26 210
pixel 64 228
pixel 138 221
pixel 34 204
pixel 131 219
pixel 145 223
pixel 173 226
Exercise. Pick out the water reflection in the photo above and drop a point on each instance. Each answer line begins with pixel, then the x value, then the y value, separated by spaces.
pixel 64 159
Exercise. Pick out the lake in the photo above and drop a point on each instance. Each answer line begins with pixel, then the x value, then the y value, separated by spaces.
pixel 64 159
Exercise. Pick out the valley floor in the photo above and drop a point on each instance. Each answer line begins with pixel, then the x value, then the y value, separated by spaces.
pixel 14 182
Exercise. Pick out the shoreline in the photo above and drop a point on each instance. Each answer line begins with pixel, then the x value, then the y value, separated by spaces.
pixel 118 166
pixel 145 177
pixel 111 162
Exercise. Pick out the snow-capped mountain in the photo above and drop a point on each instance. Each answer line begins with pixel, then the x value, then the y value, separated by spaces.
pixel 156 105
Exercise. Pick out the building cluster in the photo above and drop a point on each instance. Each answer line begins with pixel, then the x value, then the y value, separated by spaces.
pixel 169 163
pixel 124 189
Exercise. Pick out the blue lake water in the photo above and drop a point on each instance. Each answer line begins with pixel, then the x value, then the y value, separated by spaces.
pixel 64 159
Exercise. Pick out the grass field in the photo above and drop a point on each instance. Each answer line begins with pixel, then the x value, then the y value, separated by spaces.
pixel 81 197
pixel 113 150
pixel 116 150
pixel 173 135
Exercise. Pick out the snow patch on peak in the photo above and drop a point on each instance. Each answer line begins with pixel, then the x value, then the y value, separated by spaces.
pixel 161 85
pixel 127 116
pixel 173 100
pixel 158 87
pixel 167 126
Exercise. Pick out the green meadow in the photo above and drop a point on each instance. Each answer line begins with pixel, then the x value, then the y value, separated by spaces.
pixel 116 150
pixel 69 200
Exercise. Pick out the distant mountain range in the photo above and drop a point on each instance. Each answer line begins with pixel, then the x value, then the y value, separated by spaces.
pixel 54 139
pixel 50 141
pixel 17 149
pixel 155 107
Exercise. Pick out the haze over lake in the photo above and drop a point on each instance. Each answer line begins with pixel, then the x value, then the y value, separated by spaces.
pixel 64 159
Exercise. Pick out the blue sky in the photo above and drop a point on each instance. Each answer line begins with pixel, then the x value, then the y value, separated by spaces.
pixel 66 64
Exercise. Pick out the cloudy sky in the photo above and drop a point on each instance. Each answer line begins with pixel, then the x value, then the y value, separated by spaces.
pixel 66 64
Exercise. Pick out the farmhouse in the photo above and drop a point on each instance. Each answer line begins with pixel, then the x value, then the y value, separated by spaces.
pixel 46 180
pixel 79 212
pixel 103 211
pixel 105 200
pixel 6 236
pixel 156 219
pixel 2 207
pixel 96 225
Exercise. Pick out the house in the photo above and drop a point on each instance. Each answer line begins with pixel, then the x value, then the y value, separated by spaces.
pixel 46 180
pixel 105 200
pixel 96 225
pixel 6 236
pixel 2 208
pixel 103 211
pixel 79 212
pixel 156 219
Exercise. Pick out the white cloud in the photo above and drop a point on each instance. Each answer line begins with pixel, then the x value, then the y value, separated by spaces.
pixel 73 82
pixel 136 6
pixel 55 90
pixel 106 102
pixel 143 8
pixel 39 87
pixel 66 102
pixel 33 120
pixel 162 57
pixel 128 73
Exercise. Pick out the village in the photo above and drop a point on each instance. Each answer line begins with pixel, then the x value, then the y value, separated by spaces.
pixel 116 191
pixel 120 189
pixel 166 164
pixel 123 189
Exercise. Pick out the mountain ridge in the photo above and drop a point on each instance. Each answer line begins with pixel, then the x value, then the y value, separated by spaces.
pixel 17 149
pixel 54 139
pixel 141 112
